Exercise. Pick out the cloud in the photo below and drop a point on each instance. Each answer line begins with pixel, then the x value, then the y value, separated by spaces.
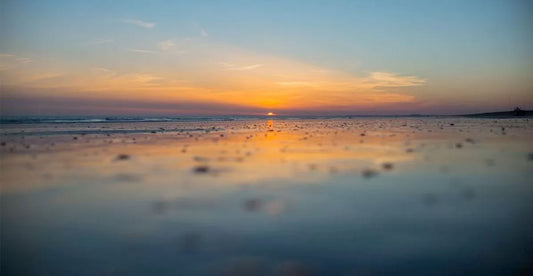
pixel 385 79
pixel 233 67
pixel 295 83
pixel 47 79
pixel 24 60
pixel 245 78
pixel 139 23
pixel 166 45
pixel 8 61
pixel 169 47
pixel 16 101
pixel 142 51
pixel 144 78
pixel 203 32
pixel 16 58
pixel 101 41
pixel 103 71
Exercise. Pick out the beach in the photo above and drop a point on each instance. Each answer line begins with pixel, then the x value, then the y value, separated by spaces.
pixel 268 196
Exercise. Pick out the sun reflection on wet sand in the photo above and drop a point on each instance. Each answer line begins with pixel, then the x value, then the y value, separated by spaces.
pixel 246 153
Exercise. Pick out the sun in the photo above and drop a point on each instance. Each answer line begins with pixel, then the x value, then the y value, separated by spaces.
pixel 271 114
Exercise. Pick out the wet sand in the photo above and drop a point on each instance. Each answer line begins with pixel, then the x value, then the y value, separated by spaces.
pixel 268 197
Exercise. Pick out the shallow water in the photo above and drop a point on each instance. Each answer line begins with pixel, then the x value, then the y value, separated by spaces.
pixel 268 197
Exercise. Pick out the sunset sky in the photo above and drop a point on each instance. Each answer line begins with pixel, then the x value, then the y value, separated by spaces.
pixel 253 57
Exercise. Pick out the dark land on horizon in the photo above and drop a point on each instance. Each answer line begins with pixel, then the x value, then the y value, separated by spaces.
pixel 517 112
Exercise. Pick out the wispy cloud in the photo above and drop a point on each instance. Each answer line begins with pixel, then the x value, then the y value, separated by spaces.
pixel 213 72
pixel 101 41
pixel 47 76
pixel 295 83
pixel 24 60
pixel 145 78
pixel 166 45
pixel 16 58
pixel 385 79
pixel 169 46
pixel 203 32
pixel 233 67
pixel 103 71
pixel 9 61
pixel 142 51
pixel 139 23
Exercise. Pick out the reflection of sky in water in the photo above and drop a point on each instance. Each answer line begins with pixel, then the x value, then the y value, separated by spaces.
pixel 440 208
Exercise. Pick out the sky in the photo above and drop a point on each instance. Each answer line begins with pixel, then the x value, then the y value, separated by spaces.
pixel 253 57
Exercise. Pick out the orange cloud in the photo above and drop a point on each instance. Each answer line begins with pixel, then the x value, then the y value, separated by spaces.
pixel 216 73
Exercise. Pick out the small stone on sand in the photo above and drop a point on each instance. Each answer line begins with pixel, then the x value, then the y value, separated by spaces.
pixel 252 204
pixel 122 157
pixel 201 169
pixel 369 173
pixel 387 166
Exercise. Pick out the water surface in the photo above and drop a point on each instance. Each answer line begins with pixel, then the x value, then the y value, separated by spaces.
pixel 255 196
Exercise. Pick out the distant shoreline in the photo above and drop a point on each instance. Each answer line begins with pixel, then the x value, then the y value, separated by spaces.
pixel 501 115
pixel 194 118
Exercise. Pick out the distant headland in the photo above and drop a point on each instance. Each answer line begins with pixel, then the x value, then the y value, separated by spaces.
pixel 517 112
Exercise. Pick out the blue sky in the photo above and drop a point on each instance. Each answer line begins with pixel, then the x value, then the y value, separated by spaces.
pixel 465 55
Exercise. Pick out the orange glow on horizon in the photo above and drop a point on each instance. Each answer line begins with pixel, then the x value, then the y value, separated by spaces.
pixel 244 79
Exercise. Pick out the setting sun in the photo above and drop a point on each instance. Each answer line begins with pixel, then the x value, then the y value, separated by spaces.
pixel 271 114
